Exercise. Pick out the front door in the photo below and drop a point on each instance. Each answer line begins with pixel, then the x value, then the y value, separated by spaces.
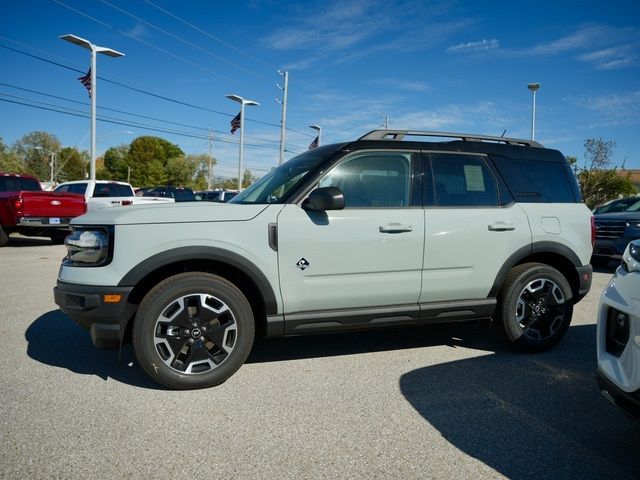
pixel 365 257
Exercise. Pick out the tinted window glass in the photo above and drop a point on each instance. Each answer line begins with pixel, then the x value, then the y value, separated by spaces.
pixel 462 180
pixel 80 188
pixel 184 195
pixel 16 184
pixel 373 179
pixel 112 190
pixel 535 181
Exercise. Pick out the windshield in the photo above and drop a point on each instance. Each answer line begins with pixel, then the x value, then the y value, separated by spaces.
pixel 275 185
pixel 631 204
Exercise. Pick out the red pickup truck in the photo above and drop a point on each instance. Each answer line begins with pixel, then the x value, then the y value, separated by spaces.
pixel 27 209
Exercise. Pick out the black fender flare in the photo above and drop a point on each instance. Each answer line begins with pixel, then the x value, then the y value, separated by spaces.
pixel 528 250
pixel 176 255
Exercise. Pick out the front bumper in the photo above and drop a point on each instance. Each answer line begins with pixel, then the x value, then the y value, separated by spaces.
pixel 629 403
pixel 85 305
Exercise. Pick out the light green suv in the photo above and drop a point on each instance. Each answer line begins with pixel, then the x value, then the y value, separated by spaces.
pixel 384 231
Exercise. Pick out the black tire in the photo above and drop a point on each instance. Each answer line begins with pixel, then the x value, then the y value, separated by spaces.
pixel 58 237
pixel 4 238
pixel 535 306
pixel 193 330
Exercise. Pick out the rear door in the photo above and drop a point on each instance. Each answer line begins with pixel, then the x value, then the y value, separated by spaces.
pixel 367 255
pixel 472 227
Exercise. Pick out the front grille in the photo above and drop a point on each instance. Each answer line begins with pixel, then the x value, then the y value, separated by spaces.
pixel 610 229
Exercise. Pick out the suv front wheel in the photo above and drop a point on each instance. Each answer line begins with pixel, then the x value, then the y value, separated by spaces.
pixel 193 330
pixel 534 307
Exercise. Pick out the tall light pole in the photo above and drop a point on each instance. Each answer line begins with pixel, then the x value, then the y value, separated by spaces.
pixel 283 123
pixel 242 102
pixel 533 87
pixel 317 128
pixel 51 161
pixel 94 50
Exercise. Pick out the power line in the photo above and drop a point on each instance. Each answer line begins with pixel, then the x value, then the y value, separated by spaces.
pixel 210 36
pixel 186 42
pixel 144 92
pixel 129 35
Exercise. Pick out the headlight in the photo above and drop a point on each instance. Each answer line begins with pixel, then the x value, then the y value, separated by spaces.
pixel 633 224
pixel 631 257
pixel 88 247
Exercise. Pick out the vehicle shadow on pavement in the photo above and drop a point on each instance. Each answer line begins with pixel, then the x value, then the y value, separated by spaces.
pixel 29 242
pixel 529 415
pixel 474 334
pixel 54 339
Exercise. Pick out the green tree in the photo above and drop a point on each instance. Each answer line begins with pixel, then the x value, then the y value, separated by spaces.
pixel 72 164
pixel 36 161
pixel 600 179
pixel 148 157
pixel 180 171
pixel 10 162
pixel 248 178
pixel 200 179
pixel 116 165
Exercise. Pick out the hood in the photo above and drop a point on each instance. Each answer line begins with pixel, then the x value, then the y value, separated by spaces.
pixel 181 212
pixel 618 216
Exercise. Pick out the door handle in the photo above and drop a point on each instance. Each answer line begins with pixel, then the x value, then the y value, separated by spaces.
pixel 395 228
pixel 501 227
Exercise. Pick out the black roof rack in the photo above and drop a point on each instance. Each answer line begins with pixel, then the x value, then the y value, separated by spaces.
pixel 400 134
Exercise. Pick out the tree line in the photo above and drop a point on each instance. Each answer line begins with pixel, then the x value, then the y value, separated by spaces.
pixel 152 161
pixel 146 161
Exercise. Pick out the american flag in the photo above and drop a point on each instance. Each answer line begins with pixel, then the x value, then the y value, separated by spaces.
pixel 314 144
pixel 86 81
pixel 235 123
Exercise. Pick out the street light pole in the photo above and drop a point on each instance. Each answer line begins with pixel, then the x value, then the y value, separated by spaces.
pixel 533 87
pixel 51 161
pixel 242 102
pixel 95 49
pixel 283 123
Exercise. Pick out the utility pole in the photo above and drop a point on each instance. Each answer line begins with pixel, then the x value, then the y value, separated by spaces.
pixel 210 158
pixel 283 127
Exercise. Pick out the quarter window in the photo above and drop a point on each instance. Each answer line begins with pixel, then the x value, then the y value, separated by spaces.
pixel 462 180
pixel 373 179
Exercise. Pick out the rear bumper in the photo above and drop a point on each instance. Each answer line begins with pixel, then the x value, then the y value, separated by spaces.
pixel 585 274
pixel 85 305
pixel 629 403
pixel 44 222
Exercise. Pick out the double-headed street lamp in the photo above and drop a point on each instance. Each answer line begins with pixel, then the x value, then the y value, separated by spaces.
pixel 242 102
pixel 533 87
pixel 94 49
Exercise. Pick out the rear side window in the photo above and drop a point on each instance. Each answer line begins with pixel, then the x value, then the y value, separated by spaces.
pixel 78 188
pixel 461 180
pixel 534 181
pixel 16 184
pixel 112 190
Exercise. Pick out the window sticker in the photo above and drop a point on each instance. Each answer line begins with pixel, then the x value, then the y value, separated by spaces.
pixel 473 178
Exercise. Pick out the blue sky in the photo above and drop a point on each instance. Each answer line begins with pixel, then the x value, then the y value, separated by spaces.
pixel 443 65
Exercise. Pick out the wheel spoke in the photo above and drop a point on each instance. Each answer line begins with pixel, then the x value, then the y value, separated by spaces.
pixel 540 309
pixel 195 333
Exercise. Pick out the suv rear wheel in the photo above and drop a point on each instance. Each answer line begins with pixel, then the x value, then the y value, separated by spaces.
pixel 534 307
pixel 193 330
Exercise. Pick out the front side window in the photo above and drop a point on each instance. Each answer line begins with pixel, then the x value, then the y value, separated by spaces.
pixel 277 185
pixel 462 180
pixel 374 179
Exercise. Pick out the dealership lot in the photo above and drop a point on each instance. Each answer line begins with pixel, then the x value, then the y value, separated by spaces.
pixel 442 401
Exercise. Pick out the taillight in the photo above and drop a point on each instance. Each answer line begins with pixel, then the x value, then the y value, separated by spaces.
pixel 16 203
pixel 593 232
pixel 126 202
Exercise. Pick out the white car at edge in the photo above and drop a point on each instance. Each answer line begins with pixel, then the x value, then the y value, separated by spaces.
pixel 618 343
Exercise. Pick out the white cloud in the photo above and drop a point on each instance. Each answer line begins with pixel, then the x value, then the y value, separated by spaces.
pixel 618 109
pixel 473 47
pixel 402 84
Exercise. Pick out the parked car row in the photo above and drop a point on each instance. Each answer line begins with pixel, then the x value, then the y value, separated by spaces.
pixel 182 194
pixel 616 224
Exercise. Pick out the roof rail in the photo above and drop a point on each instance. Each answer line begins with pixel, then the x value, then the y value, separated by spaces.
pixel 400 134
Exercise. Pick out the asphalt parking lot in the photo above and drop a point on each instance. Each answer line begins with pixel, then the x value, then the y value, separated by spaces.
pixel 436 402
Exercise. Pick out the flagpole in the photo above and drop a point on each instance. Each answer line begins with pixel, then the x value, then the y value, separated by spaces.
pixel 92 165
pixel 242 102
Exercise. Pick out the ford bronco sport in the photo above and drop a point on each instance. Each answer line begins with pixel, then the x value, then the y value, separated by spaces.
pixel 383 231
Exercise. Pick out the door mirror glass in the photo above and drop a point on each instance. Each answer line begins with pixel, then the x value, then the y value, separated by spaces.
pixel 321 199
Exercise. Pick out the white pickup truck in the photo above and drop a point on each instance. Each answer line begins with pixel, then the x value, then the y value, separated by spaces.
pixel 106 193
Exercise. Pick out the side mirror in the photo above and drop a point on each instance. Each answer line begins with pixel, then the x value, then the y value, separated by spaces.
pixel 326 198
